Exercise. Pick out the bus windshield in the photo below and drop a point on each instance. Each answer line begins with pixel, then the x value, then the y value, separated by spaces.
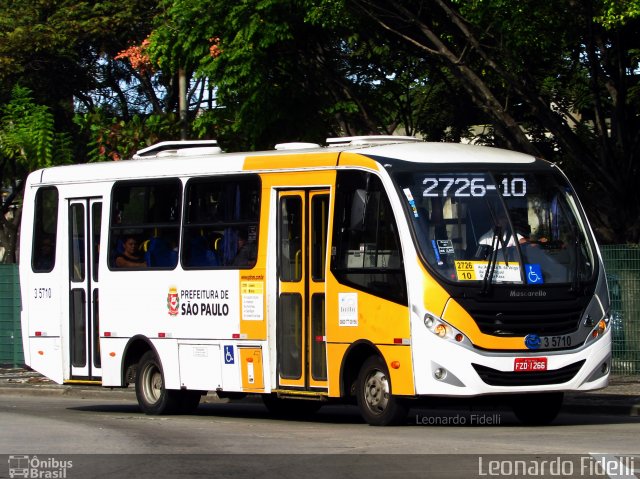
pixel 498 226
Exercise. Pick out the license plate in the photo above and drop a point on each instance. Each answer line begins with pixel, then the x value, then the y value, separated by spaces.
pixel 530 364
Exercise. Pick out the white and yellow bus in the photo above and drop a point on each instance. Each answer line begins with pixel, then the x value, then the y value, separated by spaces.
pixel 380 269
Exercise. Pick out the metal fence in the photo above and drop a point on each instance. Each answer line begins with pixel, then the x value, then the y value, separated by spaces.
pixel 622 263
pixel 10 331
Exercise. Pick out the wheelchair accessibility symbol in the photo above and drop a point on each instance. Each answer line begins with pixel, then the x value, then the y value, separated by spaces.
pixel 228 355
pixel 534 274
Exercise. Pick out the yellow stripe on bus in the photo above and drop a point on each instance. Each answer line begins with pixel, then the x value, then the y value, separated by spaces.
pixel 289 161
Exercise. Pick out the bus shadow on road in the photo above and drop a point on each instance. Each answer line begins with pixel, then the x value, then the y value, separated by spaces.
pixel 504 417
pixel 330 414
pixel 347 414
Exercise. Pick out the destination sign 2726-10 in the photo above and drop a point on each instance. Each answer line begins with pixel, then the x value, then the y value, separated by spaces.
pixel 462 186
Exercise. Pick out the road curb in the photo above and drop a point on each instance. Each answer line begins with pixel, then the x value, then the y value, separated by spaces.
pixel 603 403
pixel 72 391
pixel 625 410
pixel 83 392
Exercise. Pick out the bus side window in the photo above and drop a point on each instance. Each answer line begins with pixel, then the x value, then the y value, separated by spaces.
pixel 366 240
pixel 221 222
pixel 44 230
pixel 148 212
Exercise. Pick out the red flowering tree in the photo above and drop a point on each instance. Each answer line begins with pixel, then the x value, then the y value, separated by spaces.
pixel 138 57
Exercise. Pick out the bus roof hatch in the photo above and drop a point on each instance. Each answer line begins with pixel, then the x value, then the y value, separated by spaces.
pixel 370 140
pixel 178 148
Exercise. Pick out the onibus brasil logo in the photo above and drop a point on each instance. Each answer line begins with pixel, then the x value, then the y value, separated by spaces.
pixel 27 466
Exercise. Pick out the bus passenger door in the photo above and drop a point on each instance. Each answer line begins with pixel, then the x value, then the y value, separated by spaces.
pixel 301 255
pixel 84 247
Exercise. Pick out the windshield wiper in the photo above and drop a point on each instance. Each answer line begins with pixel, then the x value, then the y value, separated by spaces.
pixel 577 252
pixel 493 259
pixel 497 239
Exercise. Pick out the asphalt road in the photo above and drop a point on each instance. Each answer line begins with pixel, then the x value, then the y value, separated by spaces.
pixel 104 436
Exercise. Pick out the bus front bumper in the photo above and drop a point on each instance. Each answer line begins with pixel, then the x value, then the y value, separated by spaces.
pixel 444 368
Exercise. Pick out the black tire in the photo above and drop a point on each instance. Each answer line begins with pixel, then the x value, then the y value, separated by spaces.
pixel 292 408
pixel 153 397
pixel 537 409
pixel 377 405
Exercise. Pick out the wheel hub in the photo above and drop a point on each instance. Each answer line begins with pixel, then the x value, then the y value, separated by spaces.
pixel 377 392
pixel 152 384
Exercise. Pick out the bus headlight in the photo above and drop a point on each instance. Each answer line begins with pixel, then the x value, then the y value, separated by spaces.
pixel 444 330
pixel 601 327
pixel 429 321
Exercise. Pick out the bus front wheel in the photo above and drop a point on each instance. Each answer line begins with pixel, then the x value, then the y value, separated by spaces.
pixel 377 405
pixel 153 397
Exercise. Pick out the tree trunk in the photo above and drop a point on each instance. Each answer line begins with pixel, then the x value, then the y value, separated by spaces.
pixel 182 102
pixel 10 216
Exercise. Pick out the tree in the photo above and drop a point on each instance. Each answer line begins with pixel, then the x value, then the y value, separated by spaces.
pixel 64 53
pixel 82 103
pixel 282 71
pixel 562 68
pixel 28 141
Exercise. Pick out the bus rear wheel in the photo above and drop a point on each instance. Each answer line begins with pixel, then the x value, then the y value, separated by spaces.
pixel 377 405
pixel 537 409
pixel 153 397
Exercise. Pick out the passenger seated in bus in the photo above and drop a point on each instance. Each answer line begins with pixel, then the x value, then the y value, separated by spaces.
pixel 130 257
pixel 246 254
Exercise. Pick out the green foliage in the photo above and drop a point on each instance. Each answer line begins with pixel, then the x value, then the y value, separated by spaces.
pixel 287 70
pixel 181 37
pixel 616 13
pixel 113 139
pixel 28 139
pixel 267 77
pixel 206 124
pixel 61 50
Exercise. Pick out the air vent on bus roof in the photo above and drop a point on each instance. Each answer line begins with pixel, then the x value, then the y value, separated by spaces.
pixel 296 145
pixel 370 140
pixel 179 148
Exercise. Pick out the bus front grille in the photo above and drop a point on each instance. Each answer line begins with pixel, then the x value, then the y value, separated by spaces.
pixel 493 377
pixel 505 317
pixel 520 322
